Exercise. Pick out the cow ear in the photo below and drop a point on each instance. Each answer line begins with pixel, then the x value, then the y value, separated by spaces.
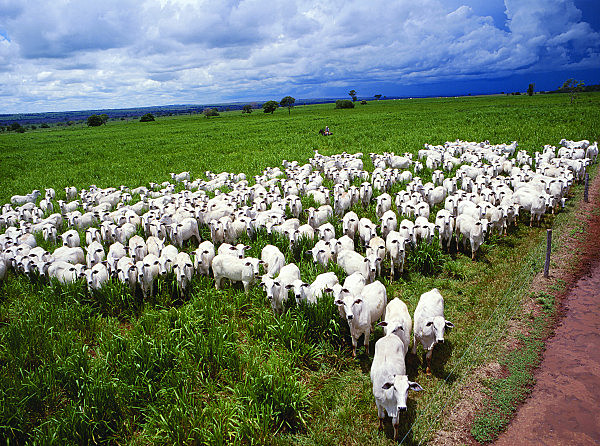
pixel 289 287
pixel 414 386
pixel 248 264
pixel 358 301
pixel 339 302
pixel 449 325
pixel 382 324
pixel 387 385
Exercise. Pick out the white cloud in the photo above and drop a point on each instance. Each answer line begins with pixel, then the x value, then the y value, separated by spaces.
pixel 120 53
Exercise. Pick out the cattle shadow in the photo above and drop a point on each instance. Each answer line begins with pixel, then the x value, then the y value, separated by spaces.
pixel 405 422
pixel 441 354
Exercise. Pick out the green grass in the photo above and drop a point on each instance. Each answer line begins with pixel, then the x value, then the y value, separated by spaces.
pixel 217 367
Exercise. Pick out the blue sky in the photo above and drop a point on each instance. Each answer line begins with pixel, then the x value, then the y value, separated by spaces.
pixel 77 55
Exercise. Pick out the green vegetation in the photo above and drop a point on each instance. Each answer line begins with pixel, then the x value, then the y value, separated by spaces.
pixel 217 367
pixel 95 121
pixel 148 117
pixel 270 106
pixel 208 112
pixel 344 103
pixel 288 102
pixel 573 87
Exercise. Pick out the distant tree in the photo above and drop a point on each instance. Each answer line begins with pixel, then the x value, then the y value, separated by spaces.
pixel 270 106
pixel 208 112
pixel 104 118
pixel 530 89
pixel 378 96
pixel 352 94
pixel 45 126
pixel 70 122
pixel 33 127
pixel 363 102
pixel 288 102
pixel 15 127
pixel 573 87
pixel 92 121
pixel 344 103
pixel 148 117
pixel 247 109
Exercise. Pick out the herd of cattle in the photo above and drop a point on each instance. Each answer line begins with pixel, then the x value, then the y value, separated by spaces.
pixel 490 188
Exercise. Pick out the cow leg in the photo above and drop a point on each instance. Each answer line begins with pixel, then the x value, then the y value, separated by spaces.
pixel 428 359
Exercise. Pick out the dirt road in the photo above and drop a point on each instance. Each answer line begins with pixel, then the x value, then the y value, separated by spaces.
pixel 564 407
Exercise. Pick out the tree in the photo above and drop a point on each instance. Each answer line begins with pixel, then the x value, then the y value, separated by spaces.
pixel 104 118
pixel 208 112
pixel 530 89
pixel 288 102
pixel 573 87
pixel 352 94
pixel 378 96
pixel 270 106
pixel 344 103
pixel 93 121
pixel 247 109
pixel 15 127
pixel 148 117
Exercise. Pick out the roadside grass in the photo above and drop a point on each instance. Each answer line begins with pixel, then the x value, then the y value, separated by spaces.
pixel 217 366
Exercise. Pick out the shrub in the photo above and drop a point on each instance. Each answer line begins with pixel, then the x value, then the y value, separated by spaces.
pixel 344 103
pixel 93 121
pixel 426 258
pixel 208 112
pixel 363 102
pixel 147 117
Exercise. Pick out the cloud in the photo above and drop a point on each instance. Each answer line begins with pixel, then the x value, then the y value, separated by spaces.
pixel 119 53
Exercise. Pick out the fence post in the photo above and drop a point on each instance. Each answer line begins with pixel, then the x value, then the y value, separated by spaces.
pixel 548 249
pixel 586 187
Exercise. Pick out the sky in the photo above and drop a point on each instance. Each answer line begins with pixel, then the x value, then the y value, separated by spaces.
pixel 89 54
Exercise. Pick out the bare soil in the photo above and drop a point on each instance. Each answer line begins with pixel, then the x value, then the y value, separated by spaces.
pixel 562 408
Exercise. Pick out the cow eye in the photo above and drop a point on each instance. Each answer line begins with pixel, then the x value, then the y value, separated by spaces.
pixel 429 323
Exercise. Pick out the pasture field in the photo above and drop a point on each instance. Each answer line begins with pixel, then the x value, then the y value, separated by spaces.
pixel 217 367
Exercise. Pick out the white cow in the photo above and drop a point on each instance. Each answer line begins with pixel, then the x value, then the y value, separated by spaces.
pixel 277 288
pixel 273 258
pixel 184 271
pixel 397 320
pixel 390 382
pixel 351 262
pixel 203 257
pixel 234 269
pixel 471 229
pixel 430 323
pixel 363 310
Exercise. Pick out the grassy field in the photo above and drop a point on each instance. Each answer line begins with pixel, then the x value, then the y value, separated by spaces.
pixel 217 367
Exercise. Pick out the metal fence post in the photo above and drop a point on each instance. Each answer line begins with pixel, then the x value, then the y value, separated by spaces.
pixel 548 249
